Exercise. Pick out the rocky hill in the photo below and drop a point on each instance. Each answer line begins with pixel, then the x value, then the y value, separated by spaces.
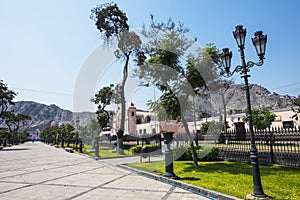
pixel 43 115
pixel 235 100
pixel 260 98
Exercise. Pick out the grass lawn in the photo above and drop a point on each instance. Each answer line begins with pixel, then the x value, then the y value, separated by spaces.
pixel 233 178
pixel 104 152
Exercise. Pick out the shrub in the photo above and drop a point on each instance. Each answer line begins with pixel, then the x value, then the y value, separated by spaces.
pixel 138 148
pixel 204 153
pixel 207 153
pixel 184 153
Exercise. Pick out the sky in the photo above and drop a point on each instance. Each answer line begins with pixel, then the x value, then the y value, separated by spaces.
pixel 52 53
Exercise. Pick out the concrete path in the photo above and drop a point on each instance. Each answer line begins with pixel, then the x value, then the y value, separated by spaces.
pixel 36 171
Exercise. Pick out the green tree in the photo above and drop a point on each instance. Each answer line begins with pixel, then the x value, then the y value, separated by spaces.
pixel 94 127
pixel 69 134
pixel 212 128
pixel 5 136
pixel 15 121
pixel 84 131
pixel 6 98
pixel 113 25
pixel 102 99
pixel 262 119
pixel 165 69
pixel 203 67
pixel 49 134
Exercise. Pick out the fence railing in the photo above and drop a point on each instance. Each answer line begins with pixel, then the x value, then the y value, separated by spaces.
pixel 128 140
pixel 275 146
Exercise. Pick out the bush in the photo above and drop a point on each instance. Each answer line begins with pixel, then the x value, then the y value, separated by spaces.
pixel 204 153
pixel 208 153
pixel 184 153
pixel 138 148
pixel 180 153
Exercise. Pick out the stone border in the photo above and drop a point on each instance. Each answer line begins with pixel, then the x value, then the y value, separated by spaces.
pixel 191 188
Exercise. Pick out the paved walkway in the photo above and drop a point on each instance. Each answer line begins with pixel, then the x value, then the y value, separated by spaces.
pixel 40 172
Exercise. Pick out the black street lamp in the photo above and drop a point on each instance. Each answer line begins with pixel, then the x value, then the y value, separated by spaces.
pixel 168 137
pixel 259 41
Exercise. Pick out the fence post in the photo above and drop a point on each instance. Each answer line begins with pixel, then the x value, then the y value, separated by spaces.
pixel 96 146
pixel 81 147
pixel 271 146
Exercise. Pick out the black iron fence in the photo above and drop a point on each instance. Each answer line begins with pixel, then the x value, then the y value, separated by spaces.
pixel 128 140
pixel 275 146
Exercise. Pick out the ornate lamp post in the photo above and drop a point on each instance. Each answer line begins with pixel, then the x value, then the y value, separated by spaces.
pixel 168 137
pixel 259 41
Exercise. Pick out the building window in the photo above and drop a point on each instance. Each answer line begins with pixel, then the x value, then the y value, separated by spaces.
pixel 288 124
pixel 132 114
pixel 147 119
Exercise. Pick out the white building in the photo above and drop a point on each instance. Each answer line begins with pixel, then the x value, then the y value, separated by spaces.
pixel 139 122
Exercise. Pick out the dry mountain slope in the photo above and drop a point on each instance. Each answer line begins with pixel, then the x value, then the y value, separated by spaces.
pixel 44 115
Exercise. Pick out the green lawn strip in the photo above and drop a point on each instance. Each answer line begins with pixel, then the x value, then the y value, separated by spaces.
pixel 85 150
pixel 232 178
pixel 104 152
pixel 108 153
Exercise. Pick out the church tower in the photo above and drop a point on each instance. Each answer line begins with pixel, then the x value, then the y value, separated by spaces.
pixel 131 117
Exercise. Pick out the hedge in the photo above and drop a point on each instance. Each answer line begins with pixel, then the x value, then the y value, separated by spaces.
pixel 138 148
pixel 204 153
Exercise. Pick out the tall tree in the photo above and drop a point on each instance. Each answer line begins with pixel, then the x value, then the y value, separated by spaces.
pixel 205 73
pixel 113 25
pixel 6 98
pixel 171 74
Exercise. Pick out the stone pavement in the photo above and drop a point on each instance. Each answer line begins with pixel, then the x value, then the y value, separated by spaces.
pixel 36 171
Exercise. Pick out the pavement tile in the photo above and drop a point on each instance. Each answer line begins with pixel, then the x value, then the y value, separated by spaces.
pixel 35 177
pixel 106 170
pixel 117 194
pixel 43 192
pixel 36 171
pixel 88 180
pixel 10 186
pixel 138 182
pixel 10 173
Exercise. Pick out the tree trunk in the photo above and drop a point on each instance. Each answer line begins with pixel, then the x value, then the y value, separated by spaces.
pixel 186 128
pixel 123 108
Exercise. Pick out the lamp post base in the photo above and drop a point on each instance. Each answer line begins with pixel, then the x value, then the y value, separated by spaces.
pixel 170 175
pixel 96 157
pixel 260 197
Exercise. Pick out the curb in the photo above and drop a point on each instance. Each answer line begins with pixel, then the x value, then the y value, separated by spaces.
pixel 191 188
